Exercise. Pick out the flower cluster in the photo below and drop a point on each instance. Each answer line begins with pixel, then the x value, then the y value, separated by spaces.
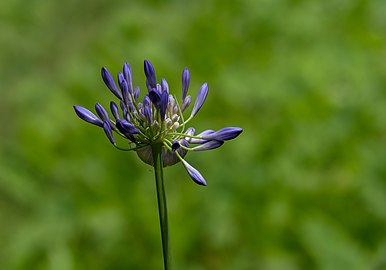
pixel 157 119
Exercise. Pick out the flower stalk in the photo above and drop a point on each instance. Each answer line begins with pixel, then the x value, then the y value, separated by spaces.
pixel 162 206
pixel 156 129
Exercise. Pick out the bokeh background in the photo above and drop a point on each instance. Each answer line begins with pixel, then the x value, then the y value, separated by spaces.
pixel 304 186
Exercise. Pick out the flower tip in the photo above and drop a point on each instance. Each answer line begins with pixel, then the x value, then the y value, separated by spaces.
pixel 87 116
pixel 150 74
pixel 201 96
pixel 185 82
pixel 224 134
pixel 109 81
pixel 194 174
pixel 237 131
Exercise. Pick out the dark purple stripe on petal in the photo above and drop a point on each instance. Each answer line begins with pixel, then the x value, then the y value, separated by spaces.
pixel 109 81
pixel 150 75
pixel 194 174
pixel 108 131
pixel 88 116
pixel 185 82
pixel 224 134
pixel 200 99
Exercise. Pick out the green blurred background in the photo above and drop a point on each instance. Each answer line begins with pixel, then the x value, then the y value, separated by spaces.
pixel 304 187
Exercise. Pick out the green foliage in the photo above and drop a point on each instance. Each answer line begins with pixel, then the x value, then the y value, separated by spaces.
pixel 304 187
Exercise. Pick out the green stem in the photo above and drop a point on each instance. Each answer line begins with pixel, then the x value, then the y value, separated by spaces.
pixel 162 208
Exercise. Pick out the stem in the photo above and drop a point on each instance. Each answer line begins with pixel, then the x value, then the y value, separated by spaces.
pixel 162 208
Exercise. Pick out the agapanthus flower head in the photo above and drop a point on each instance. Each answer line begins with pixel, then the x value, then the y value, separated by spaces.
pixel 156 119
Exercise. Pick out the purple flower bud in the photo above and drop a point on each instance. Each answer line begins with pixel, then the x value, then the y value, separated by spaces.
pixel 150 75
pixel 175 145
pixel 190 131
pixel 185 82
pixel 126 115
pixel 164 104
pixel 88 116
pixel 224 134
pixel 204 133
pixel 168 122
pixel 194 174
pixel 131 107
pixel 124 88
pixel 128 76
pixel 202 93
pixel 114 110
pixel 171 104
pixel 155 98
pixel 209 145
pixel 122 105
pixel 136 93
pixel 102 112
pixel 186 103
pixel 126 128
pixel 108 131
pixel 109 81
pixel 147 109
pixel 164 86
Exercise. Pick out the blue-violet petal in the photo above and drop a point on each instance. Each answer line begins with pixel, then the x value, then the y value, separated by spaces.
pixel 204 133
pixel 194 174
pixel 224 134
pixel 155 97
pixel 126 128
pixel 114 110
pixel 108 131
pixel 109 81
pixel 136 93
pixel 128 76
pixel 185 82
pixel 164 86
pixel 209 145
pixel 201 96
pixel 147 109
pixel 101 112
pixel 150 75
pixel 88 116
pixel 186 103
pixel 164 104
pixel 124 88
